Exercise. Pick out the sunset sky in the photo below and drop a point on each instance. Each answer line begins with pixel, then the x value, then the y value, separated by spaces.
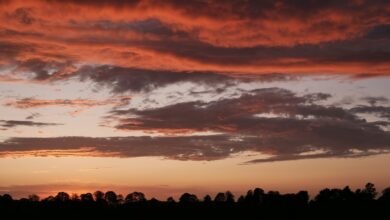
pixel 199 96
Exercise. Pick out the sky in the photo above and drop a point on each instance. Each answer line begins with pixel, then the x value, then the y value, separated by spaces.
pixel 200 96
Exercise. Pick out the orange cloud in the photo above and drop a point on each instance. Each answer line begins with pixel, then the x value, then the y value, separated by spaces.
pixel 250 37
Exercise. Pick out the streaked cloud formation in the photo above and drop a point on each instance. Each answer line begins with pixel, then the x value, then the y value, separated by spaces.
pixel 270 121
pixel 39 103
pixel 14 123
pixel 229 36
pixel 210 147
pixel 196 80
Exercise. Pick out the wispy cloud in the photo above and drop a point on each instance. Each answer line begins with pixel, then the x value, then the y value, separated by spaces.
pixel 86 103
pixel 15 123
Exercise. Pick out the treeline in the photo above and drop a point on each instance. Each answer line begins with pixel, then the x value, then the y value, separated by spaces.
pixel 328 203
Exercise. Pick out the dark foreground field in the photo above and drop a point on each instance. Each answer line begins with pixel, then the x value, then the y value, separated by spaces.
pixel 256 204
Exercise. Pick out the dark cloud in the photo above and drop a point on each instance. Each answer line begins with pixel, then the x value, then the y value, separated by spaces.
pixel 180 148
pixel 251 9
pixel 33 115
pixel 147 26
pixel 299 145
pixel 23 15
pixel 123 79
pixel 363 76
pixel 373 100
pixel 120 79
pixel 100 3
pixel 130 79
pixel 381 111
pixel 235 115
pixel 347 154
pixel 379 32
pixel 10 50
pixel 281 122
pixel 15 123
pixel 368 51
pixel 272 121
pixel 42 70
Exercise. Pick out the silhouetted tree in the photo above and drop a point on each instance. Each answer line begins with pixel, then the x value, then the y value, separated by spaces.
pixel 220 197
pixel 111 197
pixel 241 199
pixel 272 198
pixel 99 196
pixel 7 198
pixel 154 200
pixel 229 197
pixel 249 196
pixel 75 197
pixel 369 191
pixel 62 197
pixel 188 198
pixel 385 195
pixel 120 199
pixel 171 200
pixel 207 199
pixel 33 198
pixel 329 196
pixel 135 197
pixel 302 198
pixel 49 199
pixel 347 194
pixel 87 197
pixel 258 196
pixel 255 205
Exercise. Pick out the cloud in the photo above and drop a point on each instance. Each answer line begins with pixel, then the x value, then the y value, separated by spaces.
pixel 229 115
pixel 211 147
pixel 41 69
pixel 249 23
pixel 33 115
pixel 15 123
pixel 120 79
pixel 130 79
pixel 379 32
pixel 123 79
pixel 346 154
pixel 205 36
pixel 86 103
pixel 373 100
pixel 283 123
pixel 271 121
pixel 179 148
pixel 138 46
pixel 381 111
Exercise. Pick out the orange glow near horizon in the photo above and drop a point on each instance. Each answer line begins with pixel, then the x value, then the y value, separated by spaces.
pixel 161 178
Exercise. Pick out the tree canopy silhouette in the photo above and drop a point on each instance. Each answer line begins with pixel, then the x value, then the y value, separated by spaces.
pixel 365 202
